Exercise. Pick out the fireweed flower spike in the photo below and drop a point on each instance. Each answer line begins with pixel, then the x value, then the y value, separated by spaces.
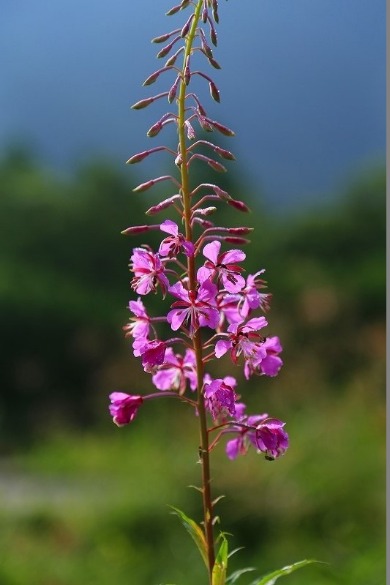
pixel 208 303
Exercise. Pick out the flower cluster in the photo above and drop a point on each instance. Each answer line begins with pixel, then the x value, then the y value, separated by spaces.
pixel 223 301
pixel 211 303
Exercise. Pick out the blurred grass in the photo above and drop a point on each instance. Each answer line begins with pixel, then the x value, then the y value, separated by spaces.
pixel 83 502
pixel 323 500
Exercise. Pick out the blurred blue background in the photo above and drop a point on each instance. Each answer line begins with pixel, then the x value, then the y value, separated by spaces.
pixel 302 83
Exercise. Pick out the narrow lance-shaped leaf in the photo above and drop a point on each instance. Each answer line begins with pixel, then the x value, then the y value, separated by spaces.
pixel 271 578
pixel 195 532
pixel 220 565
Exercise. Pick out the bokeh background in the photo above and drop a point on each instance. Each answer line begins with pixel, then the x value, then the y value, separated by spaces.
pixel 82 502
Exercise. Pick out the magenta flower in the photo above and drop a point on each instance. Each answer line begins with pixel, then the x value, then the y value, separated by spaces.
pixel 251 297
pixel 196 309
pixel 175 371
pixel 220 397
pixel 152 354
pixel 265 434
pixel 243 338
pixel 271 363
pixel 228 306
pixel 140 323
pixel 124 407
pixel 173 244
pixel 148 272
pixel 223 265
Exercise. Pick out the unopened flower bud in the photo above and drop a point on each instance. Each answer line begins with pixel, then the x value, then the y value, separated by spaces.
pixel 214 91
pixel 216 166
pixel 213 35
pixel 154 76
pixel 163 205
pixel 172 59
pixel 190 130
pixel 147 101
pixel 154 130
pixel 240 205
pixel 221 128
pixel 137 157
pixel 179 160
pixel 165 50
pixel 173 10
pixel 214 63
pixel 240 231
pixel 142 103
pixel 187 72
pixel 186 27
pixel 205 210
pixel 226 154
pixel 163 38
pixel 148 184
pixel 172 92
pixel 233 240
pixel 138 229
pixel 204 222
pixel 204 124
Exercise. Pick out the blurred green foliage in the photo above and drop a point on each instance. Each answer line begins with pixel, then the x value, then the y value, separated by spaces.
pixel 84 502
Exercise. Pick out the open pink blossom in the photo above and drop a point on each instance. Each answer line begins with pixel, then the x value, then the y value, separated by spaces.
pixel 193 309
pixel 265 434
pixel 148 272
pixel 175 242
pixel 124 407
pixel 244 339
pixel 175 371
pixel 152 354
pixel 139 326
pixel 271 363
pixel 251 297
pixel 220 398
pixel 223 265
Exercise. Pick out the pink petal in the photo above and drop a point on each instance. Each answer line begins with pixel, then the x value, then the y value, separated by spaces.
pixel 233 287
pixel 232 256
pixel 176 318
pixel 221 347
pixel 255 324
pixel 211 251
pixel 178 291
pixel 169 227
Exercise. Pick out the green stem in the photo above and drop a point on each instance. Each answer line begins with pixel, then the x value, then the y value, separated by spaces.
pixel 197 342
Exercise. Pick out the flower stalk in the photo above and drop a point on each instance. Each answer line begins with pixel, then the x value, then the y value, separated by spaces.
pixel 204 283
pixel 197 344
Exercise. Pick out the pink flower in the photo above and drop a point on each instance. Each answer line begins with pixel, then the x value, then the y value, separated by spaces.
pixel 196 309
pixel 152 354
pixel 173 244
pixel 223 265
pixel 140 325
pixel 271 363
pixel 243 338
pixel 148 272
pixel 251 297
pixel 220 397
pixel 175 371
pixel 124 407
pixel 265 434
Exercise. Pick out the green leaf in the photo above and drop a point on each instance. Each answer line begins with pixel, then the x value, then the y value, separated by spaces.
pixel 220 565
pixel 271 578
pixel 195 532
pixel 237 574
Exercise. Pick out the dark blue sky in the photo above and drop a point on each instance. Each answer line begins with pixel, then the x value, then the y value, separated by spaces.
pixel 302 84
